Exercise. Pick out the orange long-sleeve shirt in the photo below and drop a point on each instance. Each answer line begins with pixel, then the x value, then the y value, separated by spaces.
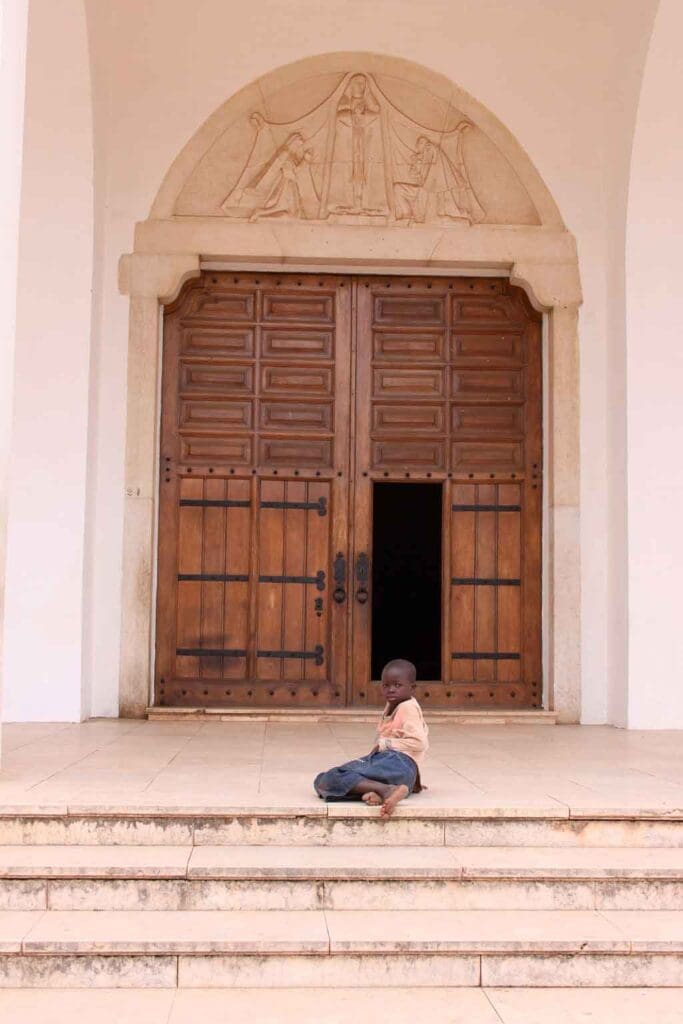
pixel 404 730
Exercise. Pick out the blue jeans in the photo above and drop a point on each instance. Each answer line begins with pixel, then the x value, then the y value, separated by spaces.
pixel 389 767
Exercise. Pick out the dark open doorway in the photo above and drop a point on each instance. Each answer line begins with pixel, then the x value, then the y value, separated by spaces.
pixel 406 576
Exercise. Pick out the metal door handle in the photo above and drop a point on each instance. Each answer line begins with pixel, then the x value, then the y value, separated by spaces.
pixel 362 578
pixel 339 574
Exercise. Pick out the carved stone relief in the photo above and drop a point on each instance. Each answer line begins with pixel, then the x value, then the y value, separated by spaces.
pixel 355 148
pixel 357 158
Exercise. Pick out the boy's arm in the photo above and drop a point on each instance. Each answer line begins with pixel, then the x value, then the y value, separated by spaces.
pixel 408 728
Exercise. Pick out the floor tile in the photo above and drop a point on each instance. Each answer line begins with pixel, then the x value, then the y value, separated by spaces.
pixel 649 929
pixel 106 1006
pixel 333 1006
pixel 472 931
pixel 581 1006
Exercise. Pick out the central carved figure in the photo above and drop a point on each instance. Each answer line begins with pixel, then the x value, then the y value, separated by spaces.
pixel 358 115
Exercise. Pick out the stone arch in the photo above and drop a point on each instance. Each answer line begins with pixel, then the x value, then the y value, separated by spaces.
pixel 221 203
pixel 302 96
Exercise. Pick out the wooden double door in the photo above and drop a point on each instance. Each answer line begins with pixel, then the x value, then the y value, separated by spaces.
pixel 350 471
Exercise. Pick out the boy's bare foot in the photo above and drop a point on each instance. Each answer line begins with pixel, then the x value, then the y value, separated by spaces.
pixel 373 799
pixel 397 794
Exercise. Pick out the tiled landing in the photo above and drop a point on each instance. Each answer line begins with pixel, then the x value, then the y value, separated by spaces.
pixel 566 770
pixel 339 1006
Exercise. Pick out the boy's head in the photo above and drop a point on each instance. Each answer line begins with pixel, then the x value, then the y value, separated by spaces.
pixel 398 681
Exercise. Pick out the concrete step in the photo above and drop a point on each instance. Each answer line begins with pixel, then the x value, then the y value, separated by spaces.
pixel 273 949
pixel 338 878
pixel 415 824
pixel 339 1005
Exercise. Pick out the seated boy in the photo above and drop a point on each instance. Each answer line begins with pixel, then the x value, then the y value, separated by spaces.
pixel 391 770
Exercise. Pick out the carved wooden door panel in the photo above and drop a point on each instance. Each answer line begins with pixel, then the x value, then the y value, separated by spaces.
pixel 269 457
pixel 448 384
pixel 253 534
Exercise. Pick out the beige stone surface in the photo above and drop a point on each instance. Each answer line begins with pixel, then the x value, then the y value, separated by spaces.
pixel 456 807
pixel 649 930
pixel 365 1006
pixel 646 894
pixel 149 931
pixel 593 970
pixel 93 861
pixel 164 894
pixel 76 831
pixel 333 1006
pixel 373 831
pixel 551 862
pixel 14 926
pixel 113 893
pixel 659 805
pixel 464 895
pixel 362 863
pixel 28 894
pixel 262 894
pixel 91 972
pixel 341 970
pixel 472 931
pixel 612 834
pixel 41 1006
pixel 301 832
pixel 575 1006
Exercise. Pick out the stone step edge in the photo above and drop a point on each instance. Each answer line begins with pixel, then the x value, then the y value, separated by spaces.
pixel 330 876
pixel 323 873
pixel 306 948
pixel 334 812
pixel 248 937
pixel 484 716
pixel 452 971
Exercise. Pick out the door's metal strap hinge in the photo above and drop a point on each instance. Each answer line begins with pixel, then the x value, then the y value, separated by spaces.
pixel 213 577
pixel 318 579
pixel 317 654
pixel 214 503
pixel 486 508
pixel 485 656
pixel 209 652
pixel 319 506
pixel 480 581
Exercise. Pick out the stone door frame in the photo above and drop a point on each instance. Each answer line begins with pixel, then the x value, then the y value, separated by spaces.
pixel 541 260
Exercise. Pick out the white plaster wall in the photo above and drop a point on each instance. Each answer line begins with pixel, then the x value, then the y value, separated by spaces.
pixel 44 608
pixel 562 76
pixel 13 32
pixel 655 386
